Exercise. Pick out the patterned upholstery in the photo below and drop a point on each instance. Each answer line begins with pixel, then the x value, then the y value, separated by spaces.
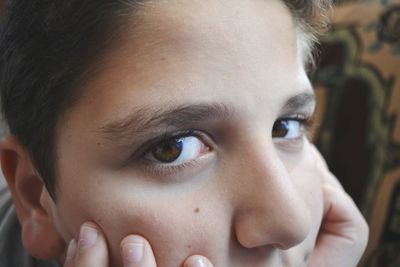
pixel 358 86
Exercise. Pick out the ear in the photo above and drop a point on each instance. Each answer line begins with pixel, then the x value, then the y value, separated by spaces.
pixel 31 200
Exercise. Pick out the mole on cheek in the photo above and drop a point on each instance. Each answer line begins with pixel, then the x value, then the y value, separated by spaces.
pixel 196 210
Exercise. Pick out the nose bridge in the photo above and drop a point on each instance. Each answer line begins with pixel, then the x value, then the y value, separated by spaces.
pixel 270 209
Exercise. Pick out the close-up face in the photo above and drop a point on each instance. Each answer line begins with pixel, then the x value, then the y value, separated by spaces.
pixel 193 135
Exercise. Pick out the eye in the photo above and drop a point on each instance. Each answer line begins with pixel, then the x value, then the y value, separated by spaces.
pixel 288 128
pixel 177 151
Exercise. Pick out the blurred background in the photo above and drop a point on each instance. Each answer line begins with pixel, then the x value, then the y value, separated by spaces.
pixel 357 82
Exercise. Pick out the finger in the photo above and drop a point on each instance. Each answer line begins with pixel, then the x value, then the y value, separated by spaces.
pixel 342 215
pixel 344 232
pixel 91 247
pixel 197 261
pixel 71 252
pixel 137 252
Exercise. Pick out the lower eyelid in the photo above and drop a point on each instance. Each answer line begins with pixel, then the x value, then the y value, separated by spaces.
pixel 290 145
pixel 173 172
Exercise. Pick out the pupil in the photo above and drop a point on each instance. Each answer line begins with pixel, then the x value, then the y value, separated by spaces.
pixel 280 129
pixel 168 151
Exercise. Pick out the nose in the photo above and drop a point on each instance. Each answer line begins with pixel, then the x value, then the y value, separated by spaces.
pixel 270 208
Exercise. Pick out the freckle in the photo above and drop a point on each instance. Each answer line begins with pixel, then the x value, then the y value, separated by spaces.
pixel 189 246
pixel 196 210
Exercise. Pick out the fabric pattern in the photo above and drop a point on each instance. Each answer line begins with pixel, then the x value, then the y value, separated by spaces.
pixel 358 86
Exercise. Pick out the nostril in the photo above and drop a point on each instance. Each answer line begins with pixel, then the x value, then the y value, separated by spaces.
pixel 279 246
pixel 287 239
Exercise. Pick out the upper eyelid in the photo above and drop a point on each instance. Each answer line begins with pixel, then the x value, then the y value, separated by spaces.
pixel 303 111
pixel 144 122
pixel 146 147
pixel 306 119
pixel 295 117
pixel 152 165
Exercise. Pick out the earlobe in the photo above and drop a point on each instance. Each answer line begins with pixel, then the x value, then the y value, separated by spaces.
pixel 39 234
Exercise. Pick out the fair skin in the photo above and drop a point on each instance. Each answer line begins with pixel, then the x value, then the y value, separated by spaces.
pixel 221 75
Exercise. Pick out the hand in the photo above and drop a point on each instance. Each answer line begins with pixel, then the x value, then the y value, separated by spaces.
pixel 91 251
pixel 343 235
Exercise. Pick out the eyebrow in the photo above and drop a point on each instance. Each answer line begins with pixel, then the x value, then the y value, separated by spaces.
pixel 300 100
pixel 143 120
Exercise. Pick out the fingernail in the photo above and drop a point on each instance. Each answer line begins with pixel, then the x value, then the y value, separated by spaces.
pixel 133 253
pixel 87 237
pixel 198 262
pixel 71 250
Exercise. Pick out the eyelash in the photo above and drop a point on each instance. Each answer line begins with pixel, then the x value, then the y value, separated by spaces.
pixel 164 169
pixel 306 122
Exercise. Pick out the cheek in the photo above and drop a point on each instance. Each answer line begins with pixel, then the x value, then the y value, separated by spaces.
pixel 176 225
pixel 174 231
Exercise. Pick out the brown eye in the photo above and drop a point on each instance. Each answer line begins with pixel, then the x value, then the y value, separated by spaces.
pixel 288 128
pixel 168 151
pixel 280 129
pixel 177 151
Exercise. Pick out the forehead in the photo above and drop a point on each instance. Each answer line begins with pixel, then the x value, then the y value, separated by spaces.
pixel 181 52
pixel 219 22
pixel 253 37
pixel 233 25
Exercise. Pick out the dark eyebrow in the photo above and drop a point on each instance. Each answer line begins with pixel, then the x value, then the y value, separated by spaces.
pixel 300 100
pixel 142 120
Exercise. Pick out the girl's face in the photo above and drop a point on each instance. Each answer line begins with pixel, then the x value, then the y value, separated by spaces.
pixel 194 136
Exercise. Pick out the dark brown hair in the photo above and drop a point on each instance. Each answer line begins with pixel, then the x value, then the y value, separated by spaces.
pixel 46 48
